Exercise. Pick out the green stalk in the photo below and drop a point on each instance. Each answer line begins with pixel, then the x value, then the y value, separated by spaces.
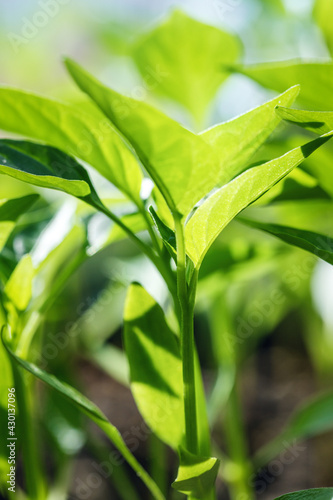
pixel 186 297
pixel 33 470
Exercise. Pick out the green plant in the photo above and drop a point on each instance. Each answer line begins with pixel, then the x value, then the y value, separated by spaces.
pixel 201 182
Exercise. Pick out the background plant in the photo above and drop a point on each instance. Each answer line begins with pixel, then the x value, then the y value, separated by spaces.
pixel 77 184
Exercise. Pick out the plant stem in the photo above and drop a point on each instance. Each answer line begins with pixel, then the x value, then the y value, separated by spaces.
pixel 186 297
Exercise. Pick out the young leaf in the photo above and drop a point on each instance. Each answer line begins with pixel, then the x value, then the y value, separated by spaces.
pixel 312 418
pixel 315 79
pixel 196 475
pixel 168 235
pixel 220 208
pixel 89 409
pixel 163 145
pixel 190 76
pixel 238 139
pixel 80 134
pixel 314 494
pixel 155 366
pixel 18 288
pixel 319 122
pixel 10 211
pixel 318 244
pixel 45 166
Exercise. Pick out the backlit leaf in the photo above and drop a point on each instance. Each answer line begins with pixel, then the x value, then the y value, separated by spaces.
pixel 220 208
pixel 238 139
pixel 163 145
pixel 155 366
pixel 80 134
pixel 192 75
pixel 18 288
pixel 318 244
pixel 323 14
pixel 315 79
pixel 89 409
pixel 319 122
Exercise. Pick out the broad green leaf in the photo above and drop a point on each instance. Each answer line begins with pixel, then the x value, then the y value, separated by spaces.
pixel 319 122
pixel 196 475
pixel 155 366
pixel 89 409
pixel 184 166
pixel 318 176
pixel 238 139
pixel 315 79
pixel 192 75
pixel 168 235
pixel 318 244
pixel 80 134
pixel 18 288
pixel 313 494
pixel 220 208
pixel 312 418
pixel 323 14
pixel 161 143
pixel 299 185
pixel 10 211
pixel 45 166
